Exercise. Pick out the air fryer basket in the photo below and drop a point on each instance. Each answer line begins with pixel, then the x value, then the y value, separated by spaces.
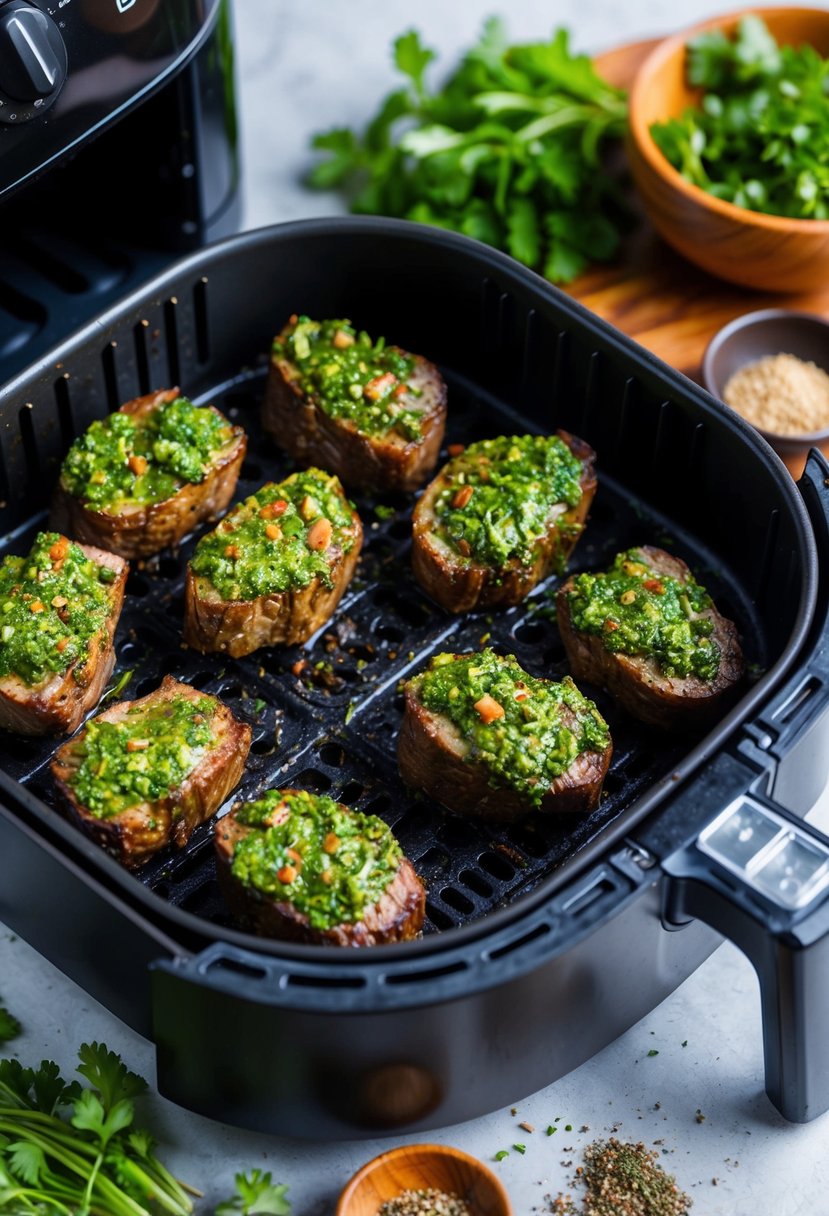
pixel 506 906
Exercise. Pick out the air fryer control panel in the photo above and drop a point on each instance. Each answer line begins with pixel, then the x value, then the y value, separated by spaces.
pixel 68 68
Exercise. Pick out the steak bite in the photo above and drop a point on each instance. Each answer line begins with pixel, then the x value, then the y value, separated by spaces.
pixel 371 413
pixel 304 868
pixel 143 477
pixel 500 517
pixel 486 739
pixel 59 609
pixel 146 773
pixel 650 634
pixel 274 569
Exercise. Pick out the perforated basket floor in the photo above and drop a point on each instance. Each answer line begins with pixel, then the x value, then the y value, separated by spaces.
pixel 325 716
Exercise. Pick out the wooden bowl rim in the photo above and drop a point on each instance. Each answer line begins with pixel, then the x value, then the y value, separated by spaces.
pixel 659 163
pixel 439 1150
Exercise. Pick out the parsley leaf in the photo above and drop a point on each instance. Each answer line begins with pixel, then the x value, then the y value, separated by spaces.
pixel 515 134
pixel 256 1193
pixel 10 1028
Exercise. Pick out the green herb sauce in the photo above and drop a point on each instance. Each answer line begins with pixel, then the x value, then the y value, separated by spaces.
pixel 353 378
pixel 264 546
pixel 339 862
pixel 516 482
pixel 122 459
pixel 52 604
pixel 529 745
pixel 636 611
pixel 142 758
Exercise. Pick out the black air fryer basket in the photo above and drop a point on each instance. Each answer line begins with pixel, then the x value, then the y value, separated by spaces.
pixel 544 940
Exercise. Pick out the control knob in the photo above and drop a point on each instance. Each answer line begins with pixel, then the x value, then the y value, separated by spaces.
pixel 32 61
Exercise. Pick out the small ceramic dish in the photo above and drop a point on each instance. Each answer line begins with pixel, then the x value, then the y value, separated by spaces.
pixel 414 1167
pixel 771 331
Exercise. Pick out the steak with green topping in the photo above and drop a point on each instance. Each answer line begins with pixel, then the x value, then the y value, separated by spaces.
pixel 650 634
pixel 301 867
pixel 142 478
pixel 499 517
pixel 144 774
pixel 59 609
pixel 485 739
pixel 371 413
pixel 274 569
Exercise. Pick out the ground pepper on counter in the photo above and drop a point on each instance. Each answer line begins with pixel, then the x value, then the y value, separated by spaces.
pixel 780 394
pixel 427 1202
pixel 623 1179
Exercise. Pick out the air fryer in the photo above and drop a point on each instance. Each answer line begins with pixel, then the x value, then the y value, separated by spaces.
pixel 118 150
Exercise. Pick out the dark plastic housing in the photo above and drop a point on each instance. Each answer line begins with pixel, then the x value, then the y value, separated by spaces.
pixel 533 932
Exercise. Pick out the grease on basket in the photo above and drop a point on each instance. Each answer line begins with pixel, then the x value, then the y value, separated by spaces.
pixel 780 394
pixel 426 1202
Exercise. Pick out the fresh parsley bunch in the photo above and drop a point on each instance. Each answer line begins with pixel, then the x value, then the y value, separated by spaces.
pixel 510 151
pixel 71 1150
pixel 761 136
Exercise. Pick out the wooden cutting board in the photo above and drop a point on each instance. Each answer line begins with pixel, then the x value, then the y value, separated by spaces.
pixel 653 294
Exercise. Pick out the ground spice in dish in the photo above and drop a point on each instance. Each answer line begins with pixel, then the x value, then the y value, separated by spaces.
pixel 781 394
pixel 623 1180
pixel 428 1202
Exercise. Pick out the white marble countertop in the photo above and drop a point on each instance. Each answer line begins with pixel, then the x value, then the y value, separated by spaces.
pixel 303 68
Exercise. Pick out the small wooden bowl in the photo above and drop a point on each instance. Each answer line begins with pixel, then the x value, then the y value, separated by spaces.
pixel 768 252
pixel 771 331
pixel 414 1167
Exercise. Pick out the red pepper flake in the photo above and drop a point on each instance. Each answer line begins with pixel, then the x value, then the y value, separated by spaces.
pixel 298 667
pixel 137 745
pixel 610 625
pixel 401 390
pixel 319 534
pixel 455 449
pixel 295 856
pixel 232 551
pixel 273 510
pixel 37 606
pixel 137 465
pixel 379 386
pixel 654 585
pixel 462 496
pixel 331 843
pixel 488 709
pixel 342 340
pixel 59 550
pixel 286 875
pixel 273 532
pixel 464 547
pixel 61 645
pixel 327 877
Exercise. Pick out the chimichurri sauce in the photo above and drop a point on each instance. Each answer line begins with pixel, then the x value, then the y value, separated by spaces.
pixel 123 459
pixel 501 496
pixel 52 604
pixel 513 723
pixel 142 758
pixel 637 611
pixel 353 377
pixel 329 862
pixel 282 536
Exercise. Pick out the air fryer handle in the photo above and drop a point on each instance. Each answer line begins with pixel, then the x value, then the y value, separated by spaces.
pixel 790 953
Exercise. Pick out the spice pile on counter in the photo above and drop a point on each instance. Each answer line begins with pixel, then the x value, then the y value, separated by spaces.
pixel 623 1180
pixel 429 1202
pixel 781 394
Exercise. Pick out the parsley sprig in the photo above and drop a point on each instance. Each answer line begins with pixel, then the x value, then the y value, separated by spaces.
pixel 760 138
pixel 256 1195
pixel 72 1150
pixel 510 151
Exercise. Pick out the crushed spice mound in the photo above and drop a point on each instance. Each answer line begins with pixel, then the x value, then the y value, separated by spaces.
pixel 623 1180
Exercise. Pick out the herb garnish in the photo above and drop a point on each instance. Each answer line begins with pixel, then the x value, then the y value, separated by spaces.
pixel 510 151
pixel 760 138
pixel 255 1194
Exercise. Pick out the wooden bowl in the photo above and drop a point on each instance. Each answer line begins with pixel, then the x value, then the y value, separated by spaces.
pixel 770 332
pixel 769 252
pixel 414 1167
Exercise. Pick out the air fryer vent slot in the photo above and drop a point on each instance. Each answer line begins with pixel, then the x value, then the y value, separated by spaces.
pixel 299 979
pixel 234 966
